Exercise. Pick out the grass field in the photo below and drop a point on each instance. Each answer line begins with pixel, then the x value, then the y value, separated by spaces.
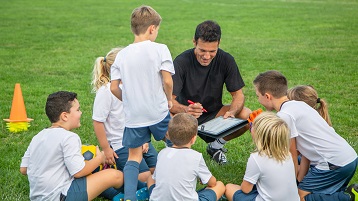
pixel 49 46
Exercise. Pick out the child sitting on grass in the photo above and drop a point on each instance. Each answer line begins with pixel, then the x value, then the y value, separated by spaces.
pixel 53 161
pixel 270 172
pixel 179 166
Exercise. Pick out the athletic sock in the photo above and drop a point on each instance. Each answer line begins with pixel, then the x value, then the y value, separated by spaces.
pixel 217 144
pixel 141 185
pixel 130 171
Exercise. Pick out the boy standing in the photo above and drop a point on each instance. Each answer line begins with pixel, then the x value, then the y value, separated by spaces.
pixel 53 161
pixel 333 161
pixel 185 165
pixel 145 69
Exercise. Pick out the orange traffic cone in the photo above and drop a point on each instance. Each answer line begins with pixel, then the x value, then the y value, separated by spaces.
pixel 18 120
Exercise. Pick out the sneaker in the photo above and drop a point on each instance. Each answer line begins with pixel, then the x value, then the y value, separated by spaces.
pixel 352 190
pixel 218 155
pixel 142 194
pixel 118 197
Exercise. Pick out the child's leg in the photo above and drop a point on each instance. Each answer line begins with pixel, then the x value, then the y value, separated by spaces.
pixel 102 180
pixel 131 172
pixel 230 190
pixel 219 189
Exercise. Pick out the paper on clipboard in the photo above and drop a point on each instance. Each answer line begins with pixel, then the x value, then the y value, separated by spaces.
pixel 220 127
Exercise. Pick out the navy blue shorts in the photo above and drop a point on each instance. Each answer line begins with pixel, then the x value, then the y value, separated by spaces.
pixel 241 196
pixel 328 181
pixel 203 194
pixel 77 190
pixel 136 137
pixel 149 159
pixel 206 195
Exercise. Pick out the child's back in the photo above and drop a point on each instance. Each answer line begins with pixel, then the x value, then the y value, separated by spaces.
pixel 139 67
pixel 176 174
pixel 275 180
pixel 315 139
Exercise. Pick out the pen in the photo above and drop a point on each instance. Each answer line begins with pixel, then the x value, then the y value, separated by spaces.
pixel 191 102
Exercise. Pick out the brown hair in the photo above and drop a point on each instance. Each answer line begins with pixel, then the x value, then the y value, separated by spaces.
pixel 309 95
pixel 142 17
pixel 273 82
pixel 182 128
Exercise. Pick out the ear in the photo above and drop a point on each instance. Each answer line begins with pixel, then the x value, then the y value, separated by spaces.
pixel 192 141
pixel 151 28
pixel 194 42
pixel 63 116
pixel 268 96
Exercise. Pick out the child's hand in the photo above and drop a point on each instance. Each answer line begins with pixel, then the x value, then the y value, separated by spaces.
pixel 101 155
pixel 170 104
pixel 110 155
pixel 145 148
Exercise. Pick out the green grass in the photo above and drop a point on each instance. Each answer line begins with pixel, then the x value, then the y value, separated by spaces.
pixel 51 45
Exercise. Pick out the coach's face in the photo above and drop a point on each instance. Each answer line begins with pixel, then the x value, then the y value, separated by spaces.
pixel 205 51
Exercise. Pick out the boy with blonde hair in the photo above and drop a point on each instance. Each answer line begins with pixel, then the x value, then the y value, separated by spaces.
pixel 333 161
pixel 179 166
pixel 53 161
pixel 145 69
pixel 270 173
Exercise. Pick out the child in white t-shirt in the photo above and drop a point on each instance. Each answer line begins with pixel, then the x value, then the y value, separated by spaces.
pixel 270 173
pixel 145 69
pixel 179 167
pixel 332 161
pixel 53 161
pixel 108 122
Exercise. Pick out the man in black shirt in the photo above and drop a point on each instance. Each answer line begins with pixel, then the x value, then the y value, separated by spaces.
pixel 200 75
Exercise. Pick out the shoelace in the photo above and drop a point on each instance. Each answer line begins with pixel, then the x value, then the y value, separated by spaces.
pixel 222 157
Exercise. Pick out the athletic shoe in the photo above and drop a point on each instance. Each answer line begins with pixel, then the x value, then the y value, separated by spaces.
pixel 118 197
pixel 218 155
pixel 142 195
pixel 352 190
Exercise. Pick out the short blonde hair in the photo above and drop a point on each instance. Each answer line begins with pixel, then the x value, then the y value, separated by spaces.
pixel 142 17
pixel 182 128
pixel 271 136
pixel 309 95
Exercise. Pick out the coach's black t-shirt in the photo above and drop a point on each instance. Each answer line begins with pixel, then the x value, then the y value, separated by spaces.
pixel 204 84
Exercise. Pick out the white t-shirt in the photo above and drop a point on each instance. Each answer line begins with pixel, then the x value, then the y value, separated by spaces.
pixel 138 66
pixel 315 139
pixel 274 180
pixel 52 158
pixel 109 110
pixel 176 174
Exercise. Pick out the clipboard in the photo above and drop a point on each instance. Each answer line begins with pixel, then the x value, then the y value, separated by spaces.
pixel 220 127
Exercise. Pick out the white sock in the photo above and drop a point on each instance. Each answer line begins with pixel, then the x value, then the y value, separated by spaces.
pixel 218 143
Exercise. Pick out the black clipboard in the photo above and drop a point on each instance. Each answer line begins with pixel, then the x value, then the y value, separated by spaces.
pixel 220 127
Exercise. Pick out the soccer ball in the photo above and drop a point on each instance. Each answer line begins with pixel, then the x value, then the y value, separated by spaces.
pixel 89 152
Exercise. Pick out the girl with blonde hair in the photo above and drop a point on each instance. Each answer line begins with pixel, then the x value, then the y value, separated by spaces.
pixel 270 172
pixel 308 94
pixel 108 122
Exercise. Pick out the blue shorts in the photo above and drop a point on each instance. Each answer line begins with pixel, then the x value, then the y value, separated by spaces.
pixel 203 194
pixel 136 137
pixel 328 181
pixel 149 159
pixel 206 195
pixel 241 196
pixel 77 190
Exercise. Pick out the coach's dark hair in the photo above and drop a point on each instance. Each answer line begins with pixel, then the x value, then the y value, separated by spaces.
pixel 57 103
pixel 208 31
